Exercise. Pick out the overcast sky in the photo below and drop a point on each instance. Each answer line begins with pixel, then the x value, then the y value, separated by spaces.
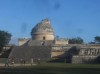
pixel 69 18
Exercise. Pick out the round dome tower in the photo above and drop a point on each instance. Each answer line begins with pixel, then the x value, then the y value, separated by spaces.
pixel 43 31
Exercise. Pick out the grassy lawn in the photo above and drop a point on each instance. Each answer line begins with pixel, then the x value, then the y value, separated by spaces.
pixel 54 68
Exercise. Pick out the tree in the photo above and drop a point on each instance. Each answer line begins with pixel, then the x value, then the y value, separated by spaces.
pixel 97 39
pixel 5 37
pixel 91 42
pixel 77 40
pixel 57 37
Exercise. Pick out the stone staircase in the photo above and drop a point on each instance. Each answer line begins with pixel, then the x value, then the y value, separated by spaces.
pixel 31 52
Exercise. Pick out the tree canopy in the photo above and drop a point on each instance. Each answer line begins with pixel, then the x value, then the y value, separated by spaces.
pixel 77 40
pixel 5 37
pixel 97 39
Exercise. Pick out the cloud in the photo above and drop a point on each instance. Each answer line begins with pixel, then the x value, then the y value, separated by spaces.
pixel 14 40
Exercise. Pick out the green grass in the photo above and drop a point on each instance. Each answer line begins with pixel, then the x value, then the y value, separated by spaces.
pixel 54 68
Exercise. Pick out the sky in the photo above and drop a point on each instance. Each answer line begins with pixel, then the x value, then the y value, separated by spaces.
pixel 69 18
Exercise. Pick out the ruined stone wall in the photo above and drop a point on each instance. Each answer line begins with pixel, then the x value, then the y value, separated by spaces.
pixel 61 41
pixel 43 37
pixel 55 54
pixel 22 41
pixel 58 51
pixel 77 53
pixel 89 51
pixel 84 59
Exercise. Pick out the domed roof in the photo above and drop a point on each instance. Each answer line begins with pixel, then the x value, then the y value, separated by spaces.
pixel 42 27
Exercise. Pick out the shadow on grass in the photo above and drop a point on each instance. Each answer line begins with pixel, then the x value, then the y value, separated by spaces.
pixel 51 69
